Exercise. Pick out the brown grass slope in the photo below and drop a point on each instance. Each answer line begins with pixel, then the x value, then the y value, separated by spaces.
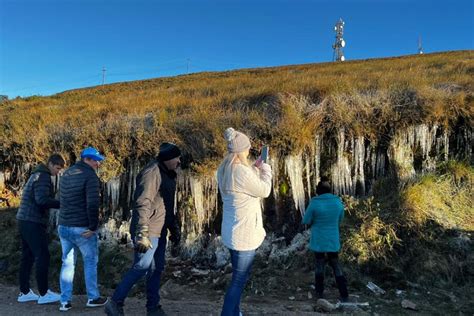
pixel 282 106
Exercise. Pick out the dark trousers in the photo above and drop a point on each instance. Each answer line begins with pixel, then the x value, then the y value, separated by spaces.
pixel 34 249
pixel 332 259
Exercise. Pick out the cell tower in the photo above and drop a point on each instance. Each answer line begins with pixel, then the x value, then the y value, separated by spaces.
pixel 340 43
pixel 420 48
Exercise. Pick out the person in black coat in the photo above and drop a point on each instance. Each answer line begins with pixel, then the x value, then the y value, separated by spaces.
pixel 33 216
pixel 78 225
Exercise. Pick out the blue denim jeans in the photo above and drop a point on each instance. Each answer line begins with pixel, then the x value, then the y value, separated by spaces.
pixel 71 243
pixel 151 264
pixel 241 266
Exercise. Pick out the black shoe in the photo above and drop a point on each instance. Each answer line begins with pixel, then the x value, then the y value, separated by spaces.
pixel 157 311
pixel 113 309
pixel 100 301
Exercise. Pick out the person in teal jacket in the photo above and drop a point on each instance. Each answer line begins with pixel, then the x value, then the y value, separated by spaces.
pixel 324 214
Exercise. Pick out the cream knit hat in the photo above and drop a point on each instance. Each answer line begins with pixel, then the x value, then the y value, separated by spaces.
pixel 237 142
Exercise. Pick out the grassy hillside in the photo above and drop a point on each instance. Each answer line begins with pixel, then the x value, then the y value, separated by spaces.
pixel 283 106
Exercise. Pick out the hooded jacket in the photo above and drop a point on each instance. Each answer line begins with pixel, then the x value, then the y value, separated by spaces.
pixel 37 197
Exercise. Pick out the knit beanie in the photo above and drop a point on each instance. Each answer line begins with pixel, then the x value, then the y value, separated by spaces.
pixel 168 151
pixel 237 142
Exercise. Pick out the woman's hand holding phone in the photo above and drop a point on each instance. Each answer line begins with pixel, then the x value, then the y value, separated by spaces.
pixel 263 157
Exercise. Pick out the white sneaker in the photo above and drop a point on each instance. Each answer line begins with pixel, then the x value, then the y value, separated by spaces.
pixel 64 307
pixel 49 297
pixel 31 296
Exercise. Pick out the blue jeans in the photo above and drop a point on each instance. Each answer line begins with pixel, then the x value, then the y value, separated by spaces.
pixel 71 243
pixel 241 266
pixel 151 264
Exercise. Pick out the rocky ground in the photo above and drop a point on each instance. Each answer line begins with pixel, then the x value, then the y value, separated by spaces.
pixel 194 291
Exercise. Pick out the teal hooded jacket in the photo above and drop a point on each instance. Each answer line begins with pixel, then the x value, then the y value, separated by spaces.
pixel 324 213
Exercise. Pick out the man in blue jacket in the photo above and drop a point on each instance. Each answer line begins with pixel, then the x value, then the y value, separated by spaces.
pixel 78 223
pixel 33 216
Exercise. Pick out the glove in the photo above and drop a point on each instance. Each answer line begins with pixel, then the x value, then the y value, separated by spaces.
pixel 142 242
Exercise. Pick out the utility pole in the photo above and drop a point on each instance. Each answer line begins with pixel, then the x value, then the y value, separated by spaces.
pixel 103 74
pixel 187 65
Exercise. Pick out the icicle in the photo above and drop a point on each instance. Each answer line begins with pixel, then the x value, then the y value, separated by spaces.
pixel 133 171
pixel 446 144
pixel 425 139
pixel 2 180
pixel 113 193
pixel 400 153
pixel 317 158
pixel 380 166
pixel 358 159
pixel 294 169
pixel 308 176
pixel 197 192
pixel 341 171
pixel 442 145
pixel 273 162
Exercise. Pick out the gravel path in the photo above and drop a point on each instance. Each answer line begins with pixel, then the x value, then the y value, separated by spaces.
pixel 188 303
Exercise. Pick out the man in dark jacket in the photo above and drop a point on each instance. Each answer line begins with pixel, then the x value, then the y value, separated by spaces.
pixel 33 216
pixel 153 215
pixel 78 223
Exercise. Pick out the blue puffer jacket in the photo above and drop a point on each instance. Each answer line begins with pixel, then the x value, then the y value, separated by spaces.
pixel 324 213
pixel 37 197
pixel 80 197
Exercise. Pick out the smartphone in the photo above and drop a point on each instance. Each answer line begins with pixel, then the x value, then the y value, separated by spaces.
pixel 264 154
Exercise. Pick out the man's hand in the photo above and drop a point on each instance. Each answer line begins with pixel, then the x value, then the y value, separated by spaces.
pixel 142 242
pixel 88 233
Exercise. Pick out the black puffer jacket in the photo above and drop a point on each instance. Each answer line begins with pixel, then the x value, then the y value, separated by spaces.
pixel 80 197
pixel 153 200
pixel 37 197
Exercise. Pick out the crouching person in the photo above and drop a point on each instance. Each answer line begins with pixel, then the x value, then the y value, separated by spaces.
pixel 33 216
pixel 152 217
pixel 324 213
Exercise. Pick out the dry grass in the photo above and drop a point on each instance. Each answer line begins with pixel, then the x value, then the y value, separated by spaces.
pixel 446 198
pixel 422 233
pixel 282 106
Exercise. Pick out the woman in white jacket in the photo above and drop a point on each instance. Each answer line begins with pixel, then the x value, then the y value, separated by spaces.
pixel 241 186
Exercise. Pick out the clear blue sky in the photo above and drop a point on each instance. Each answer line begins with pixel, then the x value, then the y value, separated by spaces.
pixel 51 46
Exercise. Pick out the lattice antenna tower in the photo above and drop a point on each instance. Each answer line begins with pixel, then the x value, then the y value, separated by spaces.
pixel 420 48
pixel 340 43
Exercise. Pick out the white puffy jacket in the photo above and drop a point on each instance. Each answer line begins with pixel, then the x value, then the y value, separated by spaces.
pixel 242 224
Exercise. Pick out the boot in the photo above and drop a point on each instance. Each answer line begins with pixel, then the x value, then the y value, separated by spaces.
pixel 342 286
pixel 319 285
